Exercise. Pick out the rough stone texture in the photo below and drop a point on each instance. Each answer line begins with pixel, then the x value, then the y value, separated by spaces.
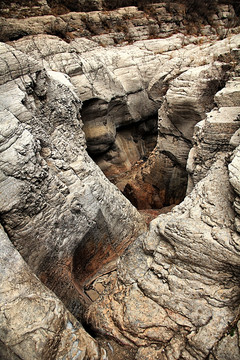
pixel 217 133
pixel 228 347
pixel 211 136
pixel 24 8
pixel 234 175
pixel 187 100
pixel 57 207
pixel 176 293
pixel 177 287
pixel 229 95
pixel 12 29
pixel 34 322
pixel 124 86
pixel 126 24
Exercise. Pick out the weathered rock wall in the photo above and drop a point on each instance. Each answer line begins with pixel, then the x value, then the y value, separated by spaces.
pixel 123 88
pixel 126 86
pixel 176 294
pixel 125 24
pixel 34 322
pixel 57 207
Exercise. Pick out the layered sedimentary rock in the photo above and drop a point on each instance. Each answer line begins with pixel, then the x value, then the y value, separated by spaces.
pixel 126 24
pixel 189 96
pixel 176 293
pixel 177 289
pixel 55 202
pixel 34 322
pixel 217 133
pixel 122 89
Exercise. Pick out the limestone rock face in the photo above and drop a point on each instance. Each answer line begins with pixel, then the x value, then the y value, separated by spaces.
pixel 187 100
pixel 177 290
pixel 34 322
pixel 176 294
pixel 122 88
pixel 217 133
pixel 190 95
pixel 57 207
pixel 123 24
pixel 24 8
pixel 229 95
pixel 234 175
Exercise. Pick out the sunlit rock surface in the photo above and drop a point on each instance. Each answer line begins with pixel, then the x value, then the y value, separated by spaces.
pixel 176 293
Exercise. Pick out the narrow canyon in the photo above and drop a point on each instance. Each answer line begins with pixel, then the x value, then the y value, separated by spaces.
pixel 119 180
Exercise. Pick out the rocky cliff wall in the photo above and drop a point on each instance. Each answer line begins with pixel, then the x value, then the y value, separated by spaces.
pixel 125 24
pixel 175 294
pixel 34 322
pixel 55 213
pixel 122 89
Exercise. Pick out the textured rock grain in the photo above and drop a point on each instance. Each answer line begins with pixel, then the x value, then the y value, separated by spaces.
pixel 34 322
pixel 176 294
pixel 57 207
pixel 177 289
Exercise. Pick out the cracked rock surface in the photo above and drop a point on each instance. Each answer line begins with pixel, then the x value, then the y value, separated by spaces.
pixel 177 286
pixel 176 293
pixel 57 207
pixel 122 89
pixel 34 322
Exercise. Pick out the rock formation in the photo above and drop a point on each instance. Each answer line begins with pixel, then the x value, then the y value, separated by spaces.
pixel 176 292
pixel 34 322
pixel 121 93
pixel 159 116
pixel 51 207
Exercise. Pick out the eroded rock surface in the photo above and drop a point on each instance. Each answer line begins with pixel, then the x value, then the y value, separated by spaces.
pixel 122 89
pixel 57 207
pixel 123 24
pixel 176 293
pixel 217 133
pixel 34 322
pixel 177 287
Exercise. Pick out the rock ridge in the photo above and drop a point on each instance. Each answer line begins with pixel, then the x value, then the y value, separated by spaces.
pixel 126 24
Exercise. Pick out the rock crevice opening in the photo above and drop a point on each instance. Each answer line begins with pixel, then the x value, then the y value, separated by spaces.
pixel 171 291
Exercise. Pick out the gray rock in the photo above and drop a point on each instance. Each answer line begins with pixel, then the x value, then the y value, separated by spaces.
pixel 124 86
pixel 212 135
pixel 34 322
pixel 177 292
pixel 228 347
pixel 234 175
pixel 229 95
pixel 57 207
pixel 177 288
